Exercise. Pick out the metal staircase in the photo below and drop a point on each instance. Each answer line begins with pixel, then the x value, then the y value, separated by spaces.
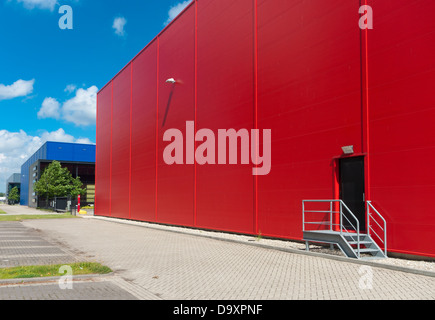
pixel 331 221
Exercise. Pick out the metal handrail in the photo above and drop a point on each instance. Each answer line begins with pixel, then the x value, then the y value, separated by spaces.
pixel 331 211
pixel 370 229
pixel 357 225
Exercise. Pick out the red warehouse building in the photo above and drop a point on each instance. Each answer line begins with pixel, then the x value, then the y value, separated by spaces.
pixel 348 107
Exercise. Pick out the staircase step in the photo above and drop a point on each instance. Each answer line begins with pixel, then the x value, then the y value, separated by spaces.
pixel 364 242
pixel 354 235
pixel 369 250
pixel 347 243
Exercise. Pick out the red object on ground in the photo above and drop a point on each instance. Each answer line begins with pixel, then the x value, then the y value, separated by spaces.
pixel 78 203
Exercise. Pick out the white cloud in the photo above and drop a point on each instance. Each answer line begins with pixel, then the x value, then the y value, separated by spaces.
pixel 174 11
pixel 70 88
pixel 61 136
pixel 19 88
pixel 50 109
pixel 80 109
pixel 84 141
pixel 17 147
pixel 40 4
pixel 119 24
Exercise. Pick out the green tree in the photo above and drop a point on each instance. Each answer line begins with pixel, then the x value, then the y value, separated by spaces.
pixel 14 195
pixel 58 182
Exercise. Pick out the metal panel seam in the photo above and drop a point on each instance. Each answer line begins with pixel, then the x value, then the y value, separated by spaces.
pixel 256 109
pixel 157 121
pixel 111 137
pixel 129 164
pixel 196 106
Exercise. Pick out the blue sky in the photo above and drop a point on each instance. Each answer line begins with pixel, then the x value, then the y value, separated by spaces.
pixel 49 76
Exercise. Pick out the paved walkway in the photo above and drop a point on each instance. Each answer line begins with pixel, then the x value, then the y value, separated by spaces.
pixel 80 290
pixel 19 210
pixel 154 263
pixel 24 210
pixel 21 246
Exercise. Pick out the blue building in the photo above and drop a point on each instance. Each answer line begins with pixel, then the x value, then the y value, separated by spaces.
pixel 12 182
pixel 78 158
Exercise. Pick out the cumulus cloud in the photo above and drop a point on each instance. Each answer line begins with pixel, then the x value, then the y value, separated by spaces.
pixel 84 141
pixel 80 109
pixel 176 10
pixel 50 109
pixel 119 24
pixel 61 136
pixel 70 88
pixel 40 4
pixel 17 147
pixel 19 88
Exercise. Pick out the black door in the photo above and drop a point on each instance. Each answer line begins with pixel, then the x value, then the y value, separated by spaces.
pixel 352 190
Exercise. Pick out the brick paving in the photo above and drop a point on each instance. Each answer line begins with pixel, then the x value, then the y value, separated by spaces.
pixel 21 246
pixel 151 263
pixel 87 290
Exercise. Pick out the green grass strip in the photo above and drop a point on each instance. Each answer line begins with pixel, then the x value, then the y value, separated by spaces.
pixel 80 268
pixel 42 216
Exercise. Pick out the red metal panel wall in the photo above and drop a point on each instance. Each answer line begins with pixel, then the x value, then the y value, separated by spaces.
pixel 120 198
pixel 175 183
pixel 143 135
pixel 298 68
pixel 401 75
pixel 225 100
pixel 102 168
pixel 309 94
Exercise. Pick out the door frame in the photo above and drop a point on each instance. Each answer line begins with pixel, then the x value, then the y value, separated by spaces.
pixel 336 183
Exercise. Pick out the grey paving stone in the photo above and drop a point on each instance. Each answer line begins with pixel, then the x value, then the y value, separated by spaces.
pixel 173 265
pixel 29 248
pixel 105 290
pixel 19 249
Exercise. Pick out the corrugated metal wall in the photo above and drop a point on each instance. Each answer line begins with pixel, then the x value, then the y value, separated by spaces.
pixel 303 69
pixel 401 73
pixel 60 151
pixel 25 192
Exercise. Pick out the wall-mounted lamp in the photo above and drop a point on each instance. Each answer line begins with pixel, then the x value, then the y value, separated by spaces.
pixel 171 80
pixel 347 149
